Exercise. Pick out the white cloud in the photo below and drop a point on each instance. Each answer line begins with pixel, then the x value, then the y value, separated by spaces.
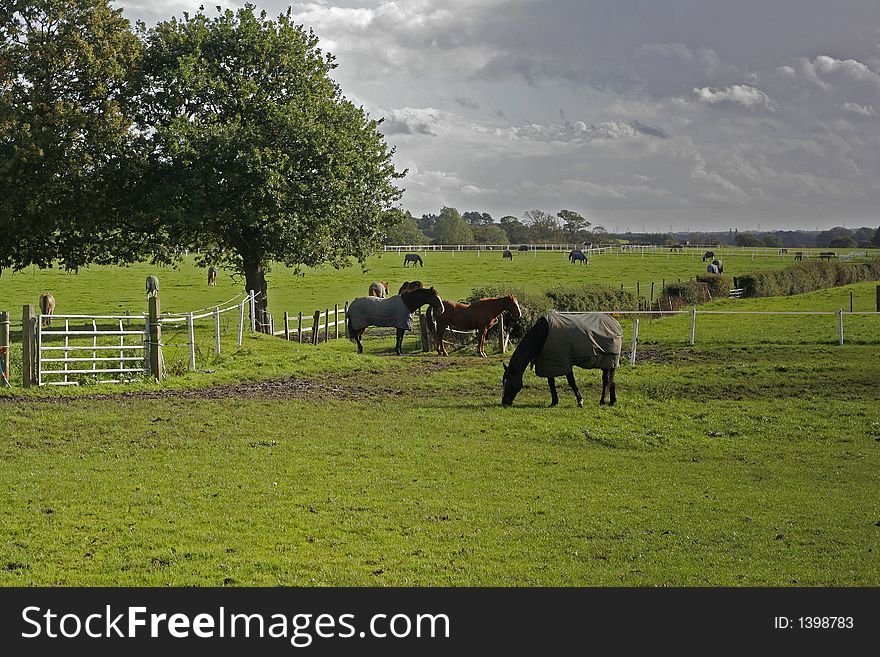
pixel 862 110
pixel 739 94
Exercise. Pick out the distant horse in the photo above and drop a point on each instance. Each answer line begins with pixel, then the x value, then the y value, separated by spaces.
pixel 799 255
pixel 827 255
pixel 577 256
pixel 708 255
pixel 559 341
pixel 413 258
pixel 507 255
pixel 212 276
pixel 719 265
pixel 152 286
pixel 677 248
pixel 409 286
pixel 47 307
pixel 394 311
pixel 523 247
pixel 712 268
pixel 477 316
pixel 379 289
pixel 783 251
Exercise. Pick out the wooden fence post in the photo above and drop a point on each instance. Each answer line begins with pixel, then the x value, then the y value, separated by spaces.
pixel 241 320
pixel 635 342
pixel 286 326
pixel 315 327
pixel 217 328
pixel 192 340
pixel 693 324
pixel 502 336
pixel 336 320
pixel 253 309
pixel 878 298
pixel 840 324
pixel 4 347
pixel 423 332
pixel 327 325
pixel 156 361
pixel 299 330
pixel 27 345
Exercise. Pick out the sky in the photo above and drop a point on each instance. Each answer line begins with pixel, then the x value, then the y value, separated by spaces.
pixel 642 115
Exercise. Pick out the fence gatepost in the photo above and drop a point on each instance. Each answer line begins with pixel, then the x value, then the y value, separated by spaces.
pixel 4 347
pixel 27 345
pixel 217 327
pixel 840 324
pixel 635 341
pixel 693 324
pixel 316 326
pixel 156 360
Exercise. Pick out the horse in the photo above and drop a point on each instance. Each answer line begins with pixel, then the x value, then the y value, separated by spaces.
pixel 477 316
pixel 409 286
pixel 712 268
pixel 799 255
pixel 507 255
pixel 577 256
pixel 523 247
pixel 783 251
pixel 677 248
pixel 556 343
pixel 152 286
pixel 708 255
pixel 378 289
pixel 719 265
pixel 413 258
pixel 394 311
pixel 212 276
pixel 827 255
pixel 47 307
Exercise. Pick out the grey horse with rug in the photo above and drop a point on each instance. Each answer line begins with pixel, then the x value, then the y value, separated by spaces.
pixel 558 342
pixel 395 312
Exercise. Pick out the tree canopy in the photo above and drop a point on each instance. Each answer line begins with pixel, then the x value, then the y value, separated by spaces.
pixel 254 155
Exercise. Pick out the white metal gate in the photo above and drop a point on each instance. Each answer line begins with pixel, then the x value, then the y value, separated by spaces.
pixel 91 348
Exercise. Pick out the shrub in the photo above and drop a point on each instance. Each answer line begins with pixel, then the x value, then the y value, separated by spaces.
pixel 590 298
pixel 718 284
pixel 806 277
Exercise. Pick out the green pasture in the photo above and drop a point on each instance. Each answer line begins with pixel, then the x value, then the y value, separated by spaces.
pixel 749 459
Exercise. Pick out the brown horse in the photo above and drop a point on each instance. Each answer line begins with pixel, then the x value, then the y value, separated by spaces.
pixel 409 286
pixel 47 307
pixel 477 316
pixel 379 289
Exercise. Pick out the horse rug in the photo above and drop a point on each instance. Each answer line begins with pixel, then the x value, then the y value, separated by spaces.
pixel 590 340
pixel 376 311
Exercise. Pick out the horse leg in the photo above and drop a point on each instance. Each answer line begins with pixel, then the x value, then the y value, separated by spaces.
pixel 357 336
pixel 397 348
pixel 574 388
pixel 611 386
pixel 554 396
pixel 441 331
pixel 482 344
pixel 604 387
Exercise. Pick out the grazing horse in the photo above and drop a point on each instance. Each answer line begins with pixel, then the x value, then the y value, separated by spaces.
pixel 523 247
pixel 379 289
pixel 409 286
pixel 798 255
pixel 477 316
pixel 783 251
pixel 577 256
pixel 212 276
pixel 152 286
pixel 708 255
pixel 394 311
pixel 507 255
pixel 559 341
pixel 827 255
pixel 413 258
pixel 47 307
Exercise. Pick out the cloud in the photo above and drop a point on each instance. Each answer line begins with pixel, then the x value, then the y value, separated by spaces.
pixel 739 94
pixel 862 110
pixel 467 103
pixel 579 131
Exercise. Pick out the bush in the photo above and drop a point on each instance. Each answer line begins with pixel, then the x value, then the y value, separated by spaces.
pixel 684 293
pixel 591 298
pixel 718 284
pixel 806 277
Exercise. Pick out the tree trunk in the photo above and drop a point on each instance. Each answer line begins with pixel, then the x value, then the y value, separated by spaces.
pixel 255 279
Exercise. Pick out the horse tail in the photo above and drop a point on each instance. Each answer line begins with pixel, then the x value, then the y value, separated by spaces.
pixel 348 332
pixel 429 318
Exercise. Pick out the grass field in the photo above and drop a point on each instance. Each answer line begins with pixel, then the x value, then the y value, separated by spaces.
pixel 749 459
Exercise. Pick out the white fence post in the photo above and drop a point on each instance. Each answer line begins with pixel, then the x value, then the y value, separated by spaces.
pixel 840 324
pixel 192 341
pixel 253 306
pixel 241 321
pixel 693 324
pixel 217 327
pixel 635 341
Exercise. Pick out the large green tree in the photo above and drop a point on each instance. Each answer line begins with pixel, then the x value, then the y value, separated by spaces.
pixel 450 228
pixel 255 155
pixel 575 225
pixel 65 108
pixel 405 230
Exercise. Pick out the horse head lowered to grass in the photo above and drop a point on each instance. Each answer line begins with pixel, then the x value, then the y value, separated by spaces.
pixel 559 341
pixel 393 311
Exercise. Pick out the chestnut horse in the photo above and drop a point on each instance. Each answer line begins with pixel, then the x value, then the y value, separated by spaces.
pixel 477 316
pixel 379 289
